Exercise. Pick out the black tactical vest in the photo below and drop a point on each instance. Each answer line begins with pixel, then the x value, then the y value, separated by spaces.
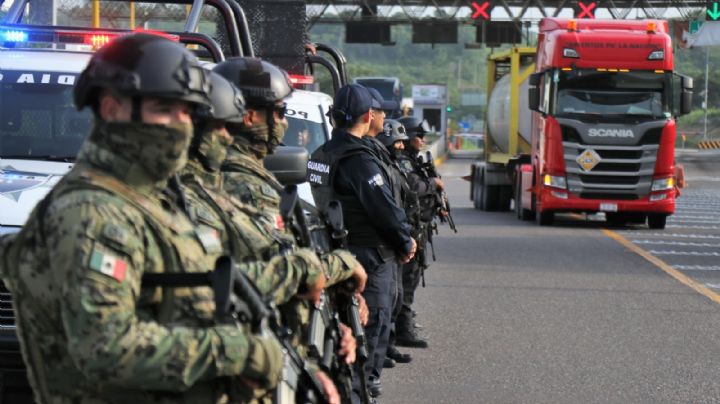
pixel 322 168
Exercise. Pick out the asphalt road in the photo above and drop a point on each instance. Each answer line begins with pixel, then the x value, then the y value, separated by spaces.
pixel 516 313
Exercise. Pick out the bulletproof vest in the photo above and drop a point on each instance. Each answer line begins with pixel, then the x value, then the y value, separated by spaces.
pixel 180 250
pixel 409 165
pixel 184 248
pixel 322 168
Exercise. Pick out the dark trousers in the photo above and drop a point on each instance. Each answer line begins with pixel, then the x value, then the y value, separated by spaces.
pixel 411 276
pixel 379 294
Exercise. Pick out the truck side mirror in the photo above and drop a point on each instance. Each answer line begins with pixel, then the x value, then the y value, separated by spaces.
pixel 534 91
pixel 686 94
pixel 289 164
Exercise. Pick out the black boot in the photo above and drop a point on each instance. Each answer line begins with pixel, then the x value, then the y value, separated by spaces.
pixel 410 339
pixel 399 357
pixel 389 362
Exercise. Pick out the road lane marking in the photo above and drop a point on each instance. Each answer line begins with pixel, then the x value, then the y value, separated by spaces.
pixel 676 226
pixel 676 235
pixel 689 253
pixel 679 276
pixel 675 243
pixel 697 267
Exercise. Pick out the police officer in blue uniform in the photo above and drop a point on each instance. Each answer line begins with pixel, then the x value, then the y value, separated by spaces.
pixel 347 170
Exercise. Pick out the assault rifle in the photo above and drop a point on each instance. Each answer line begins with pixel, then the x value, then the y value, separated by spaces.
pixel 441 201
pixel 323 232
pixel 237 300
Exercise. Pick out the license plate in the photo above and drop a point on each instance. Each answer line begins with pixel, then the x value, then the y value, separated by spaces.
pixel 608 207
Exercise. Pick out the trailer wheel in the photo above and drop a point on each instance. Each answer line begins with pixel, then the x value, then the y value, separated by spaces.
pixel 504 195
pixel 477 189
pixel 657 221
pixel 489 197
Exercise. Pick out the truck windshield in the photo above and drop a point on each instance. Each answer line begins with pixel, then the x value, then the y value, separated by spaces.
pixel 37 116
pixel 627 94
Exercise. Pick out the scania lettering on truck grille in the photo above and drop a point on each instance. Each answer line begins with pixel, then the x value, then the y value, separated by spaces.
pixel 624 133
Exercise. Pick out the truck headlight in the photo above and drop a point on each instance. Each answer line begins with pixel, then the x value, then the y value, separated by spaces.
pixel 657 55
pixel 555 181
pixel 662 184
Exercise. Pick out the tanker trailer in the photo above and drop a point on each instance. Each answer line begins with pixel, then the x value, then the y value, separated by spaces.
pixel 507 129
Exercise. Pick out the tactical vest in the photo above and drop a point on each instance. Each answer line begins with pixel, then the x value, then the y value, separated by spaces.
pixel 322 168
pixel 181 248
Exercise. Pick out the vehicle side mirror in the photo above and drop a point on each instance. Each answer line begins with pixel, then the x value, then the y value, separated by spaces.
pixel 289 164
pixel 534 91
pixel 686 94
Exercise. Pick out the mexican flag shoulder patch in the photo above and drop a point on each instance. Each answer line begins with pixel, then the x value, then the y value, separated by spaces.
pixel 108 264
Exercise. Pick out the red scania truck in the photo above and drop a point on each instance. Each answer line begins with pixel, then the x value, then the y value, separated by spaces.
pixel 585 122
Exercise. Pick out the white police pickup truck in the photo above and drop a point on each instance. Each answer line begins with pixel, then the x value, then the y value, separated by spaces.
pixel 309 126
pixel 40 129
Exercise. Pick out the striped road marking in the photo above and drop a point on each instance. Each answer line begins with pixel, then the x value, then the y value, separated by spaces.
pixel 676 243
pixel 677 275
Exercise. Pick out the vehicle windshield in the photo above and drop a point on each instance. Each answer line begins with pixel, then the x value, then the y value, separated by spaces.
pixel 623 94
pixel 304 133
pixel 37 117
pixel 384 87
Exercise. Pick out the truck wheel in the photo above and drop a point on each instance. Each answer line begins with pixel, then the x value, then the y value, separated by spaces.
pixel 477 189
pixel 543 218
pixel 522 213
pixel 657 221
pixel 489 198
pixel 504 196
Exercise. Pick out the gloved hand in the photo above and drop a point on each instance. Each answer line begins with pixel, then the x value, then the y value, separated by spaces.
pixel 264 363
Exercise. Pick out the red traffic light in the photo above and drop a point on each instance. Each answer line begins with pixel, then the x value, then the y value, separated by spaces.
pixel 481 10
pixel 586 10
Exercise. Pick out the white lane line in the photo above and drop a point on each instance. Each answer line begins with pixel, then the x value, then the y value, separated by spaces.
pixel 673 220
pixel 686 253
pixel 676 216
pixel 713 285
pixel 697 267
pixel 675 235
pixel 675 226
pixel 675 243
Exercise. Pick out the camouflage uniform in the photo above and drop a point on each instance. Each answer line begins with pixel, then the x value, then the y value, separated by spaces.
pixel 250 238
pixel 88 331
pixel 245 178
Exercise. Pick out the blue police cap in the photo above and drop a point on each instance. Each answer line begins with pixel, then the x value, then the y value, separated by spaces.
pixel 353 99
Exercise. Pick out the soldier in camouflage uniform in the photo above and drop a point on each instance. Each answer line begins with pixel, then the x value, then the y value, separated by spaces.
pixel 246 234
pixel 89 331
pixel 264 87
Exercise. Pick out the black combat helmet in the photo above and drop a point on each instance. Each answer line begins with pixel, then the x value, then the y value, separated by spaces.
pixel 143 65
pixel 261 83
pixel 392 132
pixel 415 126
pixel 226 101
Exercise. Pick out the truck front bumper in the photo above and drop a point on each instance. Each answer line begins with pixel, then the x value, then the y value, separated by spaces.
pixel 556 200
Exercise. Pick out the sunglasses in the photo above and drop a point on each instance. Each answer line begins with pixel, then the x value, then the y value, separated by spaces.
pixel 280 110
